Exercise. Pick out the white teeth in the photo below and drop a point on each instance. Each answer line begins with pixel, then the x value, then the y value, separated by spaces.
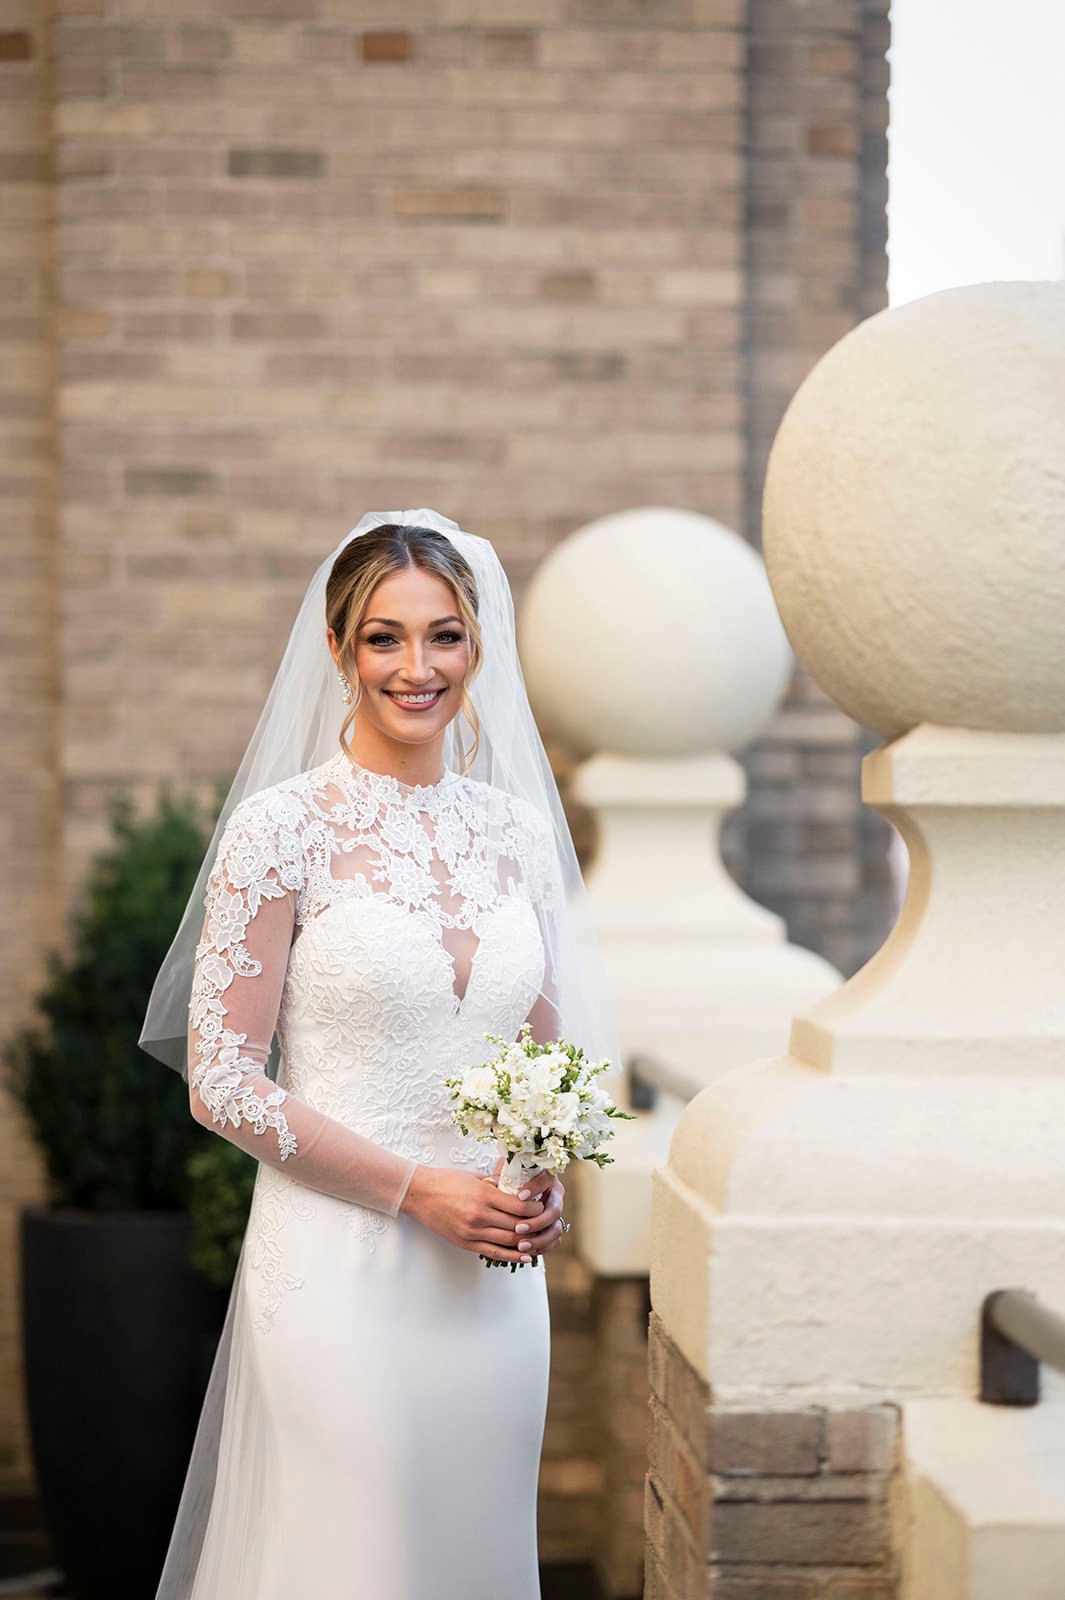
pixel 415 699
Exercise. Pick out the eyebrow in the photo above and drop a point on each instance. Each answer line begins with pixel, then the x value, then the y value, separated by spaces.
pixel 391 623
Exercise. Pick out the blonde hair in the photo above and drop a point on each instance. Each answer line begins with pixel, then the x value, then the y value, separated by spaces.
pixel 358 569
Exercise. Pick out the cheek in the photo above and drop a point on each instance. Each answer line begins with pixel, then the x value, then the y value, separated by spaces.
pixel 369 667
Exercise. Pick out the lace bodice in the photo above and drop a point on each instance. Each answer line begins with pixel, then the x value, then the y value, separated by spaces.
pixel 381 928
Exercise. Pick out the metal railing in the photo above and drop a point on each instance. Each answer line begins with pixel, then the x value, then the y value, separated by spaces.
pixel 1016 1334
pixel 649 1077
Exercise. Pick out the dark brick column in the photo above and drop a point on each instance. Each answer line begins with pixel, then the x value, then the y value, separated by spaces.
pixel 621 1307
pixel 815 264
pixel 765 1505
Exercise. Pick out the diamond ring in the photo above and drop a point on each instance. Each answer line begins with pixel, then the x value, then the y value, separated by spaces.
pixel 565 1225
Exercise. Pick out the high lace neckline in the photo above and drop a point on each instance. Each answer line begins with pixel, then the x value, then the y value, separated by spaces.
pixel 390 787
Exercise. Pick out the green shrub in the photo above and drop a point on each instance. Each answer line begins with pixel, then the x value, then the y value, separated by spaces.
pixel 223 1176
pixel 113 1124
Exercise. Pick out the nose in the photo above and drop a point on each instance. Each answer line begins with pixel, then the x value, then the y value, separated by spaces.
pixel 416 669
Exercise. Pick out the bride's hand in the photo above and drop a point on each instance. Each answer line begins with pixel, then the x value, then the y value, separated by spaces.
pixel 468 1210
pixel 544 1232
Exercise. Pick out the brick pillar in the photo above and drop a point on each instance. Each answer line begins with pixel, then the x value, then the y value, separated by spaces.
pixel 29 617
pixel 765 1505
pixel 571 1471
pixel 815 263
pixel 621 1307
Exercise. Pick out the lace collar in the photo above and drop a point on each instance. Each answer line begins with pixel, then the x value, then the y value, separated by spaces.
pixel 417 796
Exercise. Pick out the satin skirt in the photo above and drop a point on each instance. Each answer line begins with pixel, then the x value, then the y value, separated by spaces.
pixel 374 1421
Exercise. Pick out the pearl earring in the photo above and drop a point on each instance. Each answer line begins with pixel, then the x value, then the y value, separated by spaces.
pixel 345 687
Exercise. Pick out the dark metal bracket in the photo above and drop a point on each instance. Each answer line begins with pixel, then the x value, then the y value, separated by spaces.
pixel 1016 1334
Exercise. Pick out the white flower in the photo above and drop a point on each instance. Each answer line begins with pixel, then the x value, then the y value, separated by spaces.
pixel 479 1083
pixel 566 1110
pixel 513 1122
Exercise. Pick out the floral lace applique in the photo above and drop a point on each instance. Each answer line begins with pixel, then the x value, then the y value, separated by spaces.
pixel 259 858
pixel 276 1198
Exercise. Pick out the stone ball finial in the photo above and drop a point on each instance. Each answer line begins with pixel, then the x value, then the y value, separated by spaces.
pixel 914 514
pixel 653 632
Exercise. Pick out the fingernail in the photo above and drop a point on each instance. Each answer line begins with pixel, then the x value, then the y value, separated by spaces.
pixel 523 1227
pixel 526 1244
pixel 525 1193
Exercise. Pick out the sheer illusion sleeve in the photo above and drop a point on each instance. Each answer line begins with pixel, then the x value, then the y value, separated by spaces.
pixel 239 975
pixel 544 888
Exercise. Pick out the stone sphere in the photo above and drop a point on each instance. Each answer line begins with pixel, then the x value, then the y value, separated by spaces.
pixel 652 632
pixel 914 515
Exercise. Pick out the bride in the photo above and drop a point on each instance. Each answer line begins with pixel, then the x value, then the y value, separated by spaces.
pixel 378 897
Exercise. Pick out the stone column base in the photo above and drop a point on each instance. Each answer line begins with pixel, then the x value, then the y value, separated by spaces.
pixel 766 1505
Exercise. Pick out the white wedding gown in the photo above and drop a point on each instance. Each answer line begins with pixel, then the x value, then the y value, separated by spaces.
pixel 384 1391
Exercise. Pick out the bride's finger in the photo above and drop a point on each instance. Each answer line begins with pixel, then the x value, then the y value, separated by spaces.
pixel 539 1186
pixel 526 1246
pixel 498 1204
pixel 501 1236
pixel 535 1226
pixel 535 1244
pixel 496 1252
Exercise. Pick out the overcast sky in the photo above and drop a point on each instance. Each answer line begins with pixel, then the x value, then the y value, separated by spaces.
pixel 976 168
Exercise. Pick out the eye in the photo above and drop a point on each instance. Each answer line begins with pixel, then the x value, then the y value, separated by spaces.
pixel 388 638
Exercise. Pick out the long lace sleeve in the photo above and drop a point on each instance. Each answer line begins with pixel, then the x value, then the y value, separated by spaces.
pixel 239 974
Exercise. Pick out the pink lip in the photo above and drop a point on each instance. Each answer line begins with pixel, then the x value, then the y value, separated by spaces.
pixel 426 705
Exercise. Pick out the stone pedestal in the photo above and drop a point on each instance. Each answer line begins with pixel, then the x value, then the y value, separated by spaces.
pixel 701 977
pixel 829 1221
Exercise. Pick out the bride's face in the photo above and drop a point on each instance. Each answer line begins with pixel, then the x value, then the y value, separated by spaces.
pixel 412 640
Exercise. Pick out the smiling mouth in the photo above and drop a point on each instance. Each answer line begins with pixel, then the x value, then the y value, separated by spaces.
pixel 415 702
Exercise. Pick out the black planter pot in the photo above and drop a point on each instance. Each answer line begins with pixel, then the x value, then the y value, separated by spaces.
pixel 118 1336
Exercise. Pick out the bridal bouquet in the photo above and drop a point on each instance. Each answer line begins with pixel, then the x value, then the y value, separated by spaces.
pixel 539 1104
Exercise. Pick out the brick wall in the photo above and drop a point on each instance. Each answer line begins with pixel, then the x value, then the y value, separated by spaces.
pixel 314 269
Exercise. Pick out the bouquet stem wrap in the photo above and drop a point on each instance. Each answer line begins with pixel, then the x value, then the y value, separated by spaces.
pixel 517 1173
